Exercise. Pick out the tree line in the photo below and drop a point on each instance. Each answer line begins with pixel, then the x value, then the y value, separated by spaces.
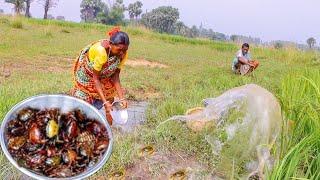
pixel 21 6
pixel 164 19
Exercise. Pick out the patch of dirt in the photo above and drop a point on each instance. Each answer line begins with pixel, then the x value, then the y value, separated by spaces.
pixel 163 166
pixel 4 73
pixel 136 117
pixel 144 63
pixel 142 94
pixel 43 64
pixel 54 64
pixel 38 67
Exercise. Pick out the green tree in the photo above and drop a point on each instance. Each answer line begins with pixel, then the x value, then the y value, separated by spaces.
pixel 218 36
pixel 182 29
pixel 194 32
pixel 135 9
pixel 89 10
pixel 112 16
pixel 103 15
pixel 162 19
pixel 278 45
pixel 47 5
pixel 28 4
pixel 203 32
pixel 311 42
pixel 116 14
pixel 234 38
pixel 18 5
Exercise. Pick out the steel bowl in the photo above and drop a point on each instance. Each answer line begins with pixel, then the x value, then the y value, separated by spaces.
pixel 64 103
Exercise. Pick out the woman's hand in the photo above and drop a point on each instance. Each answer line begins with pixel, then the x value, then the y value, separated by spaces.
pixel 120 90
pixel 109 118
pixel 108 107
pixel 124 104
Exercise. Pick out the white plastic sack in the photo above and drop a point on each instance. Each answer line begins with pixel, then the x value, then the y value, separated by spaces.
pixel 120 117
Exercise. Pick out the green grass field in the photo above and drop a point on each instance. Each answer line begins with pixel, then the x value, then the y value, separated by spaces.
pixel 36 57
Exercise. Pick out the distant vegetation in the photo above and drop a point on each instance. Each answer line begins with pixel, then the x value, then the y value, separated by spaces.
pixel 164 19
pixel 311 42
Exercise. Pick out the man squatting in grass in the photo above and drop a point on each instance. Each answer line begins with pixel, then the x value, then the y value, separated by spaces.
pixel 243 60
pixel 97 69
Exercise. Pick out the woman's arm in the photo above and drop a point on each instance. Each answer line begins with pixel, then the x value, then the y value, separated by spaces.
pixel 107 104
pixel 116 80
pixel 97 83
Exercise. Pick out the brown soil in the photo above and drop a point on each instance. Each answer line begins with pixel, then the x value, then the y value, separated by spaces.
pixel 144 63
pixel 163 166
pixel 53 64
pixel 141 94
pixel 43 64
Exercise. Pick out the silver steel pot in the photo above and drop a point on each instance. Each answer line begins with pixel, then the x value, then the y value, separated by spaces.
pixel 64 103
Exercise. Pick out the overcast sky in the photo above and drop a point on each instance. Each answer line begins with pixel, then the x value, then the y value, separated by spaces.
pixel 292 20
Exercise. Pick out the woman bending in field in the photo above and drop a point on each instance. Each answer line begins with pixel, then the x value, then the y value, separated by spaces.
pixel 97 69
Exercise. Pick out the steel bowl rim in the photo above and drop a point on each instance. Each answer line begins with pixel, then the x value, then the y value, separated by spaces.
pixel 28 172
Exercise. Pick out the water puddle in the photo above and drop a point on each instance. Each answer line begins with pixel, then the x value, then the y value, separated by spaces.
pixel 136 116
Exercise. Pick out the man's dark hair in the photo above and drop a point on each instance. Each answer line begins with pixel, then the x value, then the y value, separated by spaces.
pixel 245 45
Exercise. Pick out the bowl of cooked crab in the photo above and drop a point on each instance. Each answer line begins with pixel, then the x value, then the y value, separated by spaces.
pixel 56 137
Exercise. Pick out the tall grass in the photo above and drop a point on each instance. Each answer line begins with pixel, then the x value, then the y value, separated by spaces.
pixel 17 24
pixel 300 98
pixel 7 171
